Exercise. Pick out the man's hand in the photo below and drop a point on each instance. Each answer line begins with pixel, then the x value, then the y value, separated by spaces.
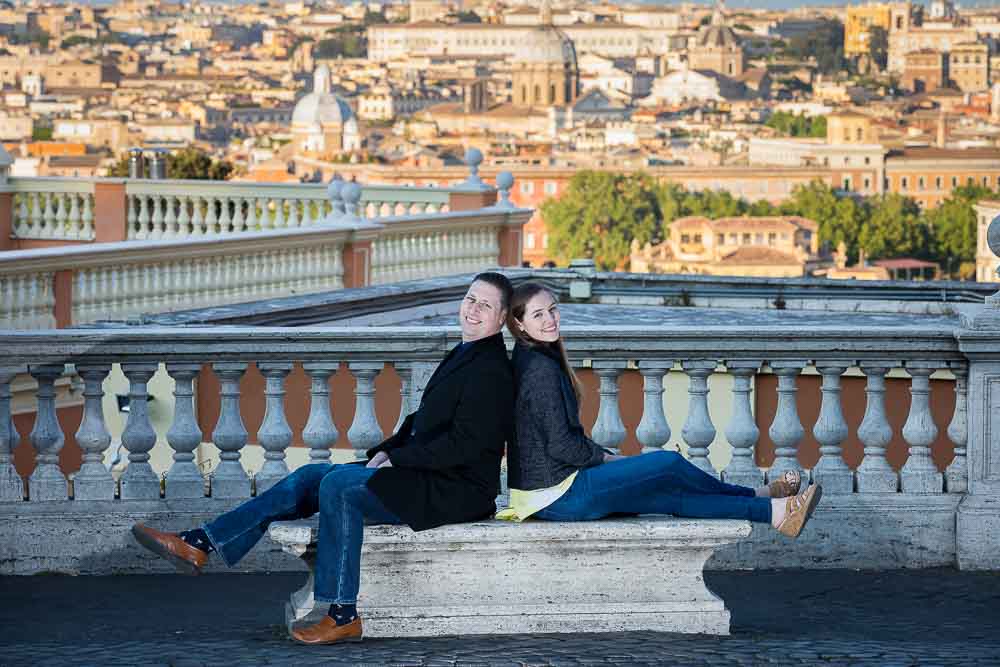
pixel 378 460
pixel 386 464
pixel 612 457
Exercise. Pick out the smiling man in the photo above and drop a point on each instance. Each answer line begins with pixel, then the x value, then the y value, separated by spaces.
pixel 442 466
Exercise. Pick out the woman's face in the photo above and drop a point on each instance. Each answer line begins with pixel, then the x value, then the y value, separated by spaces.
pixel 541 318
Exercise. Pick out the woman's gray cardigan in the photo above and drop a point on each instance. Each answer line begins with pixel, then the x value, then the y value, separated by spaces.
pixel 549 443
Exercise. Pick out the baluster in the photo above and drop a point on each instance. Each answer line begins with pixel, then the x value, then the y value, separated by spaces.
pixel 139 480
pixel 170 218
pixel 274 435
pixel 94 481
pixel 145 231
pixel 22 226
pixel 653 431
pixel 293 213
pixel 608 431
pixel 698 431
pixel 47 482
pixel 742 432
pixel 307 216
pixel 919 474
pixel 184 480
pixel 830 431
pixel 158 232
pixel 37 217
pixel 131 218
pixel 60 229
pixel 405 372
pixel 786 430
pixel 49 222
pixel 956 475
pixel 73 217
pixel 319 433
pixel 224 219
pixel 279 213
pixel 230 436
pixel 365 432
pixel 211 221
pixel 11 484
pixel 252 223
pixel 87 217
pixel 239 222
pixel 197 222
pixel 875 475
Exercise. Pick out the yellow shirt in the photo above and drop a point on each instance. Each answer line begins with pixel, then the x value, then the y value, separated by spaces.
pixel 525 503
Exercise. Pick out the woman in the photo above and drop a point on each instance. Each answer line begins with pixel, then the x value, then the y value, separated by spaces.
pixel 557 473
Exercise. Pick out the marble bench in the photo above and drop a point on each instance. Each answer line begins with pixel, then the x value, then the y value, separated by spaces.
pixel 496 577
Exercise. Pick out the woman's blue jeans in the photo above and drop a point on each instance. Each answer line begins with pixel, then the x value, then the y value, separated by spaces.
pixel 340 495
pixel 654 483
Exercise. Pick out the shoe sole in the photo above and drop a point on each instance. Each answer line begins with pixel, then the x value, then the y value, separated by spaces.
pixel 815 501
pixel 147 540
pixel 348 640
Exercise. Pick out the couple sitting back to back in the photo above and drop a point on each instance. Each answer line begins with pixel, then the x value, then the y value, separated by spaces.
pixel 443 464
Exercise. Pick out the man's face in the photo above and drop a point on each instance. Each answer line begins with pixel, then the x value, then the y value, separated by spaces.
pixel 480 315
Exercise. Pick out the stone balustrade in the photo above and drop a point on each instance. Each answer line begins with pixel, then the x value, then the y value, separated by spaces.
pixel 909 511
pixel 52 209
pixel 71 285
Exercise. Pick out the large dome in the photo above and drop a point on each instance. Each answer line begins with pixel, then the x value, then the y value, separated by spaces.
pixel 717 34
pixel 547 44
pixel 321 106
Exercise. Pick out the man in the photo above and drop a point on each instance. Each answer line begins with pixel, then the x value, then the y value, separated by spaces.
pixel 441 467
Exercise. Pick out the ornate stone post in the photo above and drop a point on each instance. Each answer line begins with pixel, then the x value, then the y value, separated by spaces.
pixel 875 475
pixel 230 436
pixel 698 431
pixel 319 432
pixel 11 484
pixel 653 431
pixel 919 474
pixel 830 431
pixel 47 481
pixel 786 430
pixel 956 476
pixel 609 431
pixel 94 481
pixel 365 432
pixel 742 432
pixel 184 480
pixel 139 481
pixel 274 435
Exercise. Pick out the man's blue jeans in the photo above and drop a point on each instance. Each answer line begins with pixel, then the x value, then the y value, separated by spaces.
pixel 655 483
pixel 340 495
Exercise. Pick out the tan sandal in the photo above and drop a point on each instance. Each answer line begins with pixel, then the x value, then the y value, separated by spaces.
pixel 798 509
pixel 788 485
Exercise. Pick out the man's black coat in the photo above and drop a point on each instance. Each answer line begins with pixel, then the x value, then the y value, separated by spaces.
pixel 449 470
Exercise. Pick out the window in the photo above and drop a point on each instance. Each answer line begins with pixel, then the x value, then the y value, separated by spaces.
pixel 954 181
pixel 538 94
pixel 986 181
pixel 685 238
pixel 527 187
pixel 868 183
pixel 734 238
pixel 868 160
pixel 720 239
pixel 771 238
pixel 969 180
pixel 905 183
pixel 847 182
pixel 758 239
pixel 697 238
pixel 847 160
pixel 920 183
pixel 552 93
pixel 746 239
pixel 807 235
pixel 550 187
pixel 529 240
pixel 937 182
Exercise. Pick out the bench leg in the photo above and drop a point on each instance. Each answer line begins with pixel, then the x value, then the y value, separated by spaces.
pixel 301 608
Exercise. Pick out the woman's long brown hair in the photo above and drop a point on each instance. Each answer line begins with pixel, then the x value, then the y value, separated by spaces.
pixel 519 300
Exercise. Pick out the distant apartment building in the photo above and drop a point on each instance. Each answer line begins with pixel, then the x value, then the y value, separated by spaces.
pixel 910 34
pixel 111 134
pixel 859 23
pixel 427 10
pixel 384 102
pixel 926 70
pixel 930 174
pixel 773 247
pixel 969 67
pixel 16 128
pixel 987 263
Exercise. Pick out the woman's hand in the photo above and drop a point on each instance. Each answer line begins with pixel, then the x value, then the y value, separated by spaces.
pixel 378 460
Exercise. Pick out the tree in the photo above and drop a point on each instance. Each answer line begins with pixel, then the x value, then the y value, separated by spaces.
pixel 878 46
pixel 188 163
pixel 41 133
pixel 953 224
pixel 824 43
pixel 599 215
pixel 468 17
pixel 839 218
pixel 895 229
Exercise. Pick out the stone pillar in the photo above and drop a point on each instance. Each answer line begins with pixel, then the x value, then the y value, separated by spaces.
pixel 978 525
pixel 110 212
pixel 357 263
pixel 62 291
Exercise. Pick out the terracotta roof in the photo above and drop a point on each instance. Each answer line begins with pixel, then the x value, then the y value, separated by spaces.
pixel 934 153
pixel 904 263
pixel 759 255
pixel 744 223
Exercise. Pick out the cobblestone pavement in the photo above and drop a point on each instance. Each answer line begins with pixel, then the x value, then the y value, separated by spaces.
pixel 916 617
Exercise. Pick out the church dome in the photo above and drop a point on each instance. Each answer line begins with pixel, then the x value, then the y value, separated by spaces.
pixel 321 106
pixel 717 34
pixel 547 44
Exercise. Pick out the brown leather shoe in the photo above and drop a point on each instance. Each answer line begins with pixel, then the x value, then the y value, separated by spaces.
pixel 799 509
pixel 186 558
pixel 328 632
